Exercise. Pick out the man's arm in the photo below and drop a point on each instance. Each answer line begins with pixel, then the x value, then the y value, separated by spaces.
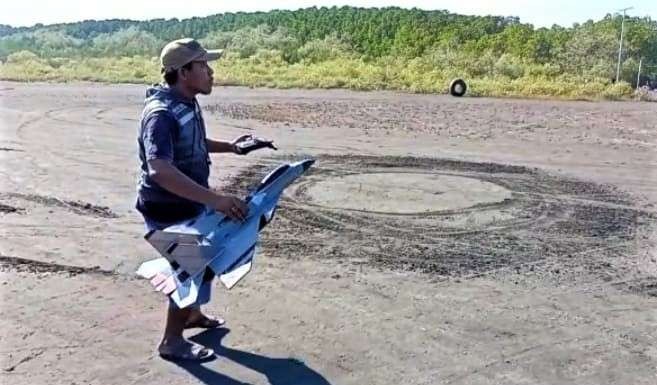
pixel 170 178
pixel 241 145
pixel 220 146
pixel 157 138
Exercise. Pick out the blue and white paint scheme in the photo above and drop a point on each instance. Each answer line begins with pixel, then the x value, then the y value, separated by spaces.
pixel 213 240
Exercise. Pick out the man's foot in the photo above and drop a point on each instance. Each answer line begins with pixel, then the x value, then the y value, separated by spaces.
pixel 199 320
pixel 179 349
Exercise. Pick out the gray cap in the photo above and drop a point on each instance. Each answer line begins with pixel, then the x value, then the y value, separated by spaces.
pixel 180 52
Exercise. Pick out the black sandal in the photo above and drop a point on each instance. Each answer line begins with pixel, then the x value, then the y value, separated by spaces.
pixel 185 351
pixel 206 323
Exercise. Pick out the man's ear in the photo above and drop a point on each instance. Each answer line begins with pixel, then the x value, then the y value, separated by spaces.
pixel 182 73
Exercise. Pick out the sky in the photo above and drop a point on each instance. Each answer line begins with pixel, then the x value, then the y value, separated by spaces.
pixel 540 13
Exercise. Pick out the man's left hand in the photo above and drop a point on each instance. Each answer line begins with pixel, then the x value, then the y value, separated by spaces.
pixel 240 138
pixel 247 143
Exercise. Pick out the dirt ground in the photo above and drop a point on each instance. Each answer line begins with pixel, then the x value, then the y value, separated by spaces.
pixel 436 241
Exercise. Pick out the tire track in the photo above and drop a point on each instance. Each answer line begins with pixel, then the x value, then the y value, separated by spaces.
pixel 549 221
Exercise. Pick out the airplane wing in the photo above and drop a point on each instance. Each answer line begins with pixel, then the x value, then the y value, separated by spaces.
pixel 211 240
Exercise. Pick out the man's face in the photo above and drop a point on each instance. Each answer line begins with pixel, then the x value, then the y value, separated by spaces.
pixel 199 78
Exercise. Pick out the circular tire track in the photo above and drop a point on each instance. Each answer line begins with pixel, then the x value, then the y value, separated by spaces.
pixel 549 225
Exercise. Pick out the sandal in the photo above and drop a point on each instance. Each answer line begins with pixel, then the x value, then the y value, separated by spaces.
pixel 206 323
pixel 185 351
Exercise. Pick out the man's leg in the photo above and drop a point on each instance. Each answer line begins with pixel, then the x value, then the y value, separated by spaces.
pixel 176 320
pixel 196 316
pixel 174 346
pixel 199 320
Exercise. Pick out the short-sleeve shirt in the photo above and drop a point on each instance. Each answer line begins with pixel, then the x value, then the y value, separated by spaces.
pixel 158 137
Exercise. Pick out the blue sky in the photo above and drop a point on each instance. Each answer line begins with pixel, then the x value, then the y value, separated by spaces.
pixel 540 13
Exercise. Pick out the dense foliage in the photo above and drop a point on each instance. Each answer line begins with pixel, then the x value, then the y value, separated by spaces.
pixel 389 48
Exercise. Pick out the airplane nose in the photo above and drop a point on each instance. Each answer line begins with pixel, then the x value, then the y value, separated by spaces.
pixel 307 163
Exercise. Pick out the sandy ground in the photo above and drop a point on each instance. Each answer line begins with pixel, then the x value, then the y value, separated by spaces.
pixel 438 241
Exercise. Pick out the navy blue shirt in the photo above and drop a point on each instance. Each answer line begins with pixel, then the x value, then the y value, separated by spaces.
pixel 158 135
pixel 158 138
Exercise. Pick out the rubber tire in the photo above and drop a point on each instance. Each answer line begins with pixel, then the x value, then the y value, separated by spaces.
pixel 457 87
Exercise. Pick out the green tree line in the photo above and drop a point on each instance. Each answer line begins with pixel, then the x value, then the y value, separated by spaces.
pixel 478 47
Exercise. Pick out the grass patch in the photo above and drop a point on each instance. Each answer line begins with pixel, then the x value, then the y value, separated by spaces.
pixel 268 69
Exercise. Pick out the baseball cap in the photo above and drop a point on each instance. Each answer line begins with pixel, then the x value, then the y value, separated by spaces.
pixel 180 52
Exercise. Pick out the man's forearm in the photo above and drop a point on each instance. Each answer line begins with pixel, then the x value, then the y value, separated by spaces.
pixel 219 146
pixel 171 179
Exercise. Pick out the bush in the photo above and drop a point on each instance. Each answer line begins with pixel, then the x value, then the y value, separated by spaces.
pixel 509 66
pixel 246 42
pixel 329 48
pixel 126 42
pixel 217 39
pixel 617 91
pixel 22 57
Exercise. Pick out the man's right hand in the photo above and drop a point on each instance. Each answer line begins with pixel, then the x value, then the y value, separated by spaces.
pixel 233 208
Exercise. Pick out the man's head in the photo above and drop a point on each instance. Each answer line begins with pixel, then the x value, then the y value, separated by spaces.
pixel 185 64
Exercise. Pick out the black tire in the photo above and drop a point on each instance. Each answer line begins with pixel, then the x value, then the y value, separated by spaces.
pixel 457 87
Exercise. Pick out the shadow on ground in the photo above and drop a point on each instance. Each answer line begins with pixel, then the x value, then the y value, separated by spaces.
pixel 279 371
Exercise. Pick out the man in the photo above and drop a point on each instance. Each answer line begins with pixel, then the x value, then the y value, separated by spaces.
pixel 175 167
